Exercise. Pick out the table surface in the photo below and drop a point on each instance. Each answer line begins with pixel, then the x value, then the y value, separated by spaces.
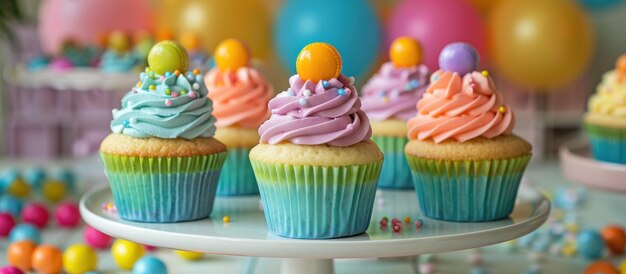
pixel 600 209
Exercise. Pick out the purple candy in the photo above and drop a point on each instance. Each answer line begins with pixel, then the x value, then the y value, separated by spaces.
pixel 10 270
pixel 461 58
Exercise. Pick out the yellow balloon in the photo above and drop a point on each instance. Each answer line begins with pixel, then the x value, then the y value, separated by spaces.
pixel 484 6
pixel 540 44
pixel 216 20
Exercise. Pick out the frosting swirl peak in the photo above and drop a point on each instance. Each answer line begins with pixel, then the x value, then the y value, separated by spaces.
pixel 610 98
pixel 461 109
pixel 310 113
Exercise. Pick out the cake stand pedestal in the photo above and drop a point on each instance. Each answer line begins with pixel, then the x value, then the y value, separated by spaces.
pixel 579 166
pixel 246 233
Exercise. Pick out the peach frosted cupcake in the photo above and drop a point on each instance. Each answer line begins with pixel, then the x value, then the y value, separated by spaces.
pixel 466 163
pixel 240 96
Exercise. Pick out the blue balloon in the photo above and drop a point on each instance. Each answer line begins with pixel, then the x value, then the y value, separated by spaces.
pixel 590 244
pixel 149 265
pixel 23 232
pixel 349 25
pixel 594 4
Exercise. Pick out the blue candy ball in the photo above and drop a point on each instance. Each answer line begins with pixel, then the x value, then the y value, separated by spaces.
pixel 67 176
pixel 35 176
pixel 7 177
pixel 23 232
pixel 149 265
pixel 11 205
pixel 590 244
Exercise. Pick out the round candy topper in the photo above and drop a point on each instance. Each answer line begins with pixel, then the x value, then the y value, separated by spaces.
pixel 318 61
pixel 119 41
pixel 405 52
pixel 190 41
pixel 167 56
pixel 461 58
pixel 620 67
pixel 231 54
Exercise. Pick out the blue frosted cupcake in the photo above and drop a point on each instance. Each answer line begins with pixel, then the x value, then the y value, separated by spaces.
pixel 466 163
pixel 389 99
pixel 240 95
pixel 316 168
pixel 161 161
pixel 605 121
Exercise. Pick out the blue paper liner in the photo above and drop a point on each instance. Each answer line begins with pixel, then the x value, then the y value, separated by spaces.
pixel 308 202
pixel 163 190
pixel 237 175
pixel 395 173
pixel 467 191
pixel 607 144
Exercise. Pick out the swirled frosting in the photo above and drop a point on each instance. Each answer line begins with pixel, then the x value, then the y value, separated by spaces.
pixel 393 92
pixel 309 113
pixel 239 97
pixel 111 61
pixel 461 109
pixel 166 106
pixel 610 97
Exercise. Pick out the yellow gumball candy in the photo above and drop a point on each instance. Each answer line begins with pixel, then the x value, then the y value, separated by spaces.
pixel 19 189
pixel 126 253
pixel 189 255
pixel 119 41
pixel 80 258
pixel 167 56
pixel 318 61
pixel 231 54
pixel 405 52
pixel 54 191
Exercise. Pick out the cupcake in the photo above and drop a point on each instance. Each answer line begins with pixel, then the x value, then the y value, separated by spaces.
pixel 161 161
pixel 466 163
pixel 316 167
pixel 389 99
pixel 240 96
pixel 605 121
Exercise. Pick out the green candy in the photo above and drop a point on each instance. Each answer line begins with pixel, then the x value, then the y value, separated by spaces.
pixel 167 56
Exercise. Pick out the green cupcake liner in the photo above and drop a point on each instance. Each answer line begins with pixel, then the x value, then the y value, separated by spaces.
pixel 607 144
pixel 237 176
pixel 395 173
pixel 312 202
pixel 163 189
pixel 467 191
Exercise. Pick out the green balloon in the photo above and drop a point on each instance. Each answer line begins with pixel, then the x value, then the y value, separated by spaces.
pixel 168 56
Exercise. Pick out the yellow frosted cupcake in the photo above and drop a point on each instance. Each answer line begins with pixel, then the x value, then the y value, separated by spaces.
pixel 316 168
pixel 240 95
pixel 466 163
pixel 605 121
pixel 161 161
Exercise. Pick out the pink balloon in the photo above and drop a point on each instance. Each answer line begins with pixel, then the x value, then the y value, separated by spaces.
pixel 437 23
pixel 83 20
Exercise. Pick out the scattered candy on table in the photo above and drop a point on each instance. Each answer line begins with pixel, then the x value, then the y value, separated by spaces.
pixel 615 238
pixel 35 214
pixel 97 239
pixel 126 253
pixel 590 244
pixel 601 267
pixel 10 270
pixel 20 253
pixel 79 258
pixel 25 232
pixel 7 222
pixel 47 259
pixel 149 265
pixel 11 205
pixel 34 177
pixel 54 190
pixel 189 255
pixel 67 215
pixel 19 188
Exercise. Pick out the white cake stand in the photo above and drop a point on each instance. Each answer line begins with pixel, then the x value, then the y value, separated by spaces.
pixel 578 166
pixel 246 233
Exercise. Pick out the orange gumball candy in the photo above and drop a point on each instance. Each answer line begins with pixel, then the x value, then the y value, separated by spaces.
pixel 615 238
pixel 231 54
pixel 318 61
pixel 405 52
pixel 19 254
pixel 47 259
pixel 601 267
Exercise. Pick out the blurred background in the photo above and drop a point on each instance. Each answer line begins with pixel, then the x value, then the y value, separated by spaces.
pixel 60 79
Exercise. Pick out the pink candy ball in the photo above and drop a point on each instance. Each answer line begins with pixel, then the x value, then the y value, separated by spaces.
pixel 67 215
pixel 10 270
pixel 97 239
pixel 150 248
pixel 6 224
pixel 36 214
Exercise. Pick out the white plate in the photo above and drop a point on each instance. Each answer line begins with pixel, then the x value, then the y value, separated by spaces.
pixel 246 234
pixel 578 166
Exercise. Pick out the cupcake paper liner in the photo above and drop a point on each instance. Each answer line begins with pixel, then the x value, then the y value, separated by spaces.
pixel 607 144
pixel 310 202
pixel 467 191
pixel 163 190
pixel 395 173
pixel 237 175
